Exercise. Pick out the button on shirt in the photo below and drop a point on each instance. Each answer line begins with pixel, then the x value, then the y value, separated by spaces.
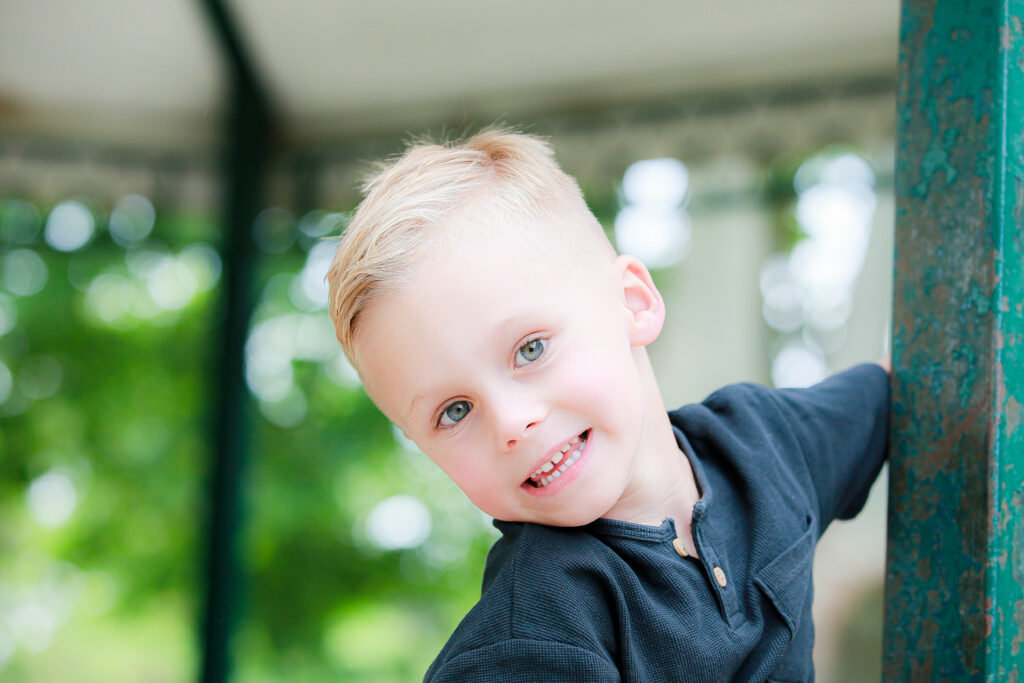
pixel 618 601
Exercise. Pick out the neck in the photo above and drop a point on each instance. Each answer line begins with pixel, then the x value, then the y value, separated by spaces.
pixel 662 484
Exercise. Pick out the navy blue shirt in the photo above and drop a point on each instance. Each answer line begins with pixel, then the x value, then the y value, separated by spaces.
pixel 615 601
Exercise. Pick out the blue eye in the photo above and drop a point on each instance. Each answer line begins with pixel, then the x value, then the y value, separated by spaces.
pixel 454 413
pixel 530 351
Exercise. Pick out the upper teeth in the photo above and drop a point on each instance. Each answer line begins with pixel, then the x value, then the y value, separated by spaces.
pixel 559 461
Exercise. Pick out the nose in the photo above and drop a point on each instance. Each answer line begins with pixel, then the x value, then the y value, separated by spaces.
pixel 515 416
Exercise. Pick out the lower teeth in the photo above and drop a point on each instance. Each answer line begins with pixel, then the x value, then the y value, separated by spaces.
pixel 570 459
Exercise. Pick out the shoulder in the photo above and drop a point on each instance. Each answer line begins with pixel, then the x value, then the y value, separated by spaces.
pixel 541 575
pixel 749 409
pixel 826 441
pixel 543 588
pixel 743 413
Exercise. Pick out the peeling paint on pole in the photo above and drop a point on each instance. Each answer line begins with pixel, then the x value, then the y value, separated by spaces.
pixel 955 566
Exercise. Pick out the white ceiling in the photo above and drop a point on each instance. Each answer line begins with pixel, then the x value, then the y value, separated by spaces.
pixel 148 74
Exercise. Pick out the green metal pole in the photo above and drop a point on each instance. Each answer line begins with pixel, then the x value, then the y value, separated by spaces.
pixel 955 566
pixel 248 131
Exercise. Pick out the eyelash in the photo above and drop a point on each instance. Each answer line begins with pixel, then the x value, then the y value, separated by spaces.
pixel 441 414
pixel 543 351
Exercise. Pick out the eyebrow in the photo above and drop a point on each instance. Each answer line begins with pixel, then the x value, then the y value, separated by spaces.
pixel 412 405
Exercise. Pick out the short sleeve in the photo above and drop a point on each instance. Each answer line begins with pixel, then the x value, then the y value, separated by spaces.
pixel 842 427
pixel 521 660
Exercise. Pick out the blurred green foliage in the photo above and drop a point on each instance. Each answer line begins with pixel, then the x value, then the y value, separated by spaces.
pixel 102 476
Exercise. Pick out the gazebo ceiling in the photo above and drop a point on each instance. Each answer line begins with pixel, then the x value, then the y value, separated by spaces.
pixel 149 74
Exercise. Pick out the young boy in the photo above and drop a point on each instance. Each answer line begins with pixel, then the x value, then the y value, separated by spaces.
pixel 490 319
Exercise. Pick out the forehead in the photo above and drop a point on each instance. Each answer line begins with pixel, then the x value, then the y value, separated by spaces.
pixel 485 217
pixel 484 264
pixel 471 288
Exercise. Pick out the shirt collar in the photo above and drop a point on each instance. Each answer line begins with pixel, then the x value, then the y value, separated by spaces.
pixel 700 509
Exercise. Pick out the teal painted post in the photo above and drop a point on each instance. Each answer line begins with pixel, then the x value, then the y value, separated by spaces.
pixel 955 565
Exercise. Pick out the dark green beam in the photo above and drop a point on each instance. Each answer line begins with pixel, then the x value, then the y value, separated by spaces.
pixel 247 134
pixel 955 567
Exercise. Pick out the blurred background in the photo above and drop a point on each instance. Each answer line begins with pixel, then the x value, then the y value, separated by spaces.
pixel 742 149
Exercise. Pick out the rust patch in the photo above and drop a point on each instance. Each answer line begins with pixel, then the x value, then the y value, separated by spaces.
pixel 1014 415
pixel 1018 638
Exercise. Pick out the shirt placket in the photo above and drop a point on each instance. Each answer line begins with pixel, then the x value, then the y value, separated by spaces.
pixel 715 568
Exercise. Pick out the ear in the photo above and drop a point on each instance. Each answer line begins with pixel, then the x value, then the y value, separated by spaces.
pixel 645 309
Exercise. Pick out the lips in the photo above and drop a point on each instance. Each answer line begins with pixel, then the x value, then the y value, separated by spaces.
pixel 560 461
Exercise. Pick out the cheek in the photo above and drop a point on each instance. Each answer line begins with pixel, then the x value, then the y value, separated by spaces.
pixel 481 486
pixel 583 382
pixel 593 374
pixel 468 472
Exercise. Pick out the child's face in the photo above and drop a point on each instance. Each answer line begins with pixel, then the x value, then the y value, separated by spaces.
pixel 501 353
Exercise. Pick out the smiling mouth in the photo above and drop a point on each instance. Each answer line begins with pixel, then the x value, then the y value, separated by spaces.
pixel 560 462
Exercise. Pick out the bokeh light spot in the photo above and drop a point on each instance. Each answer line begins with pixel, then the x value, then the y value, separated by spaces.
pixel 7 645
pixel 274 230
pixel 111 298
pixel 811 289
pixel 40 377
pixel 275 342
pixel 844 168
pixel 70 226
pixel 20 221
pixel 24 272
pixel 204 262
pixel 132 220
pixel 798 366
pixel 314 337
pixel 652 225
pixel 52 499
pixel 6 382
pixel 309 290
pixel 269 351
pixel 286 412
pixel 8 315
pixel 318 223
pixel 656 181
pixel 657 235
pixel 34 624
pixel 397 522
pixel 340 371
pixel 171 283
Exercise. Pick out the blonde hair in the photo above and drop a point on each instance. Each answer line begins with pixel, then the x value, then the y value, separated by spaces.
pixel 408 200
